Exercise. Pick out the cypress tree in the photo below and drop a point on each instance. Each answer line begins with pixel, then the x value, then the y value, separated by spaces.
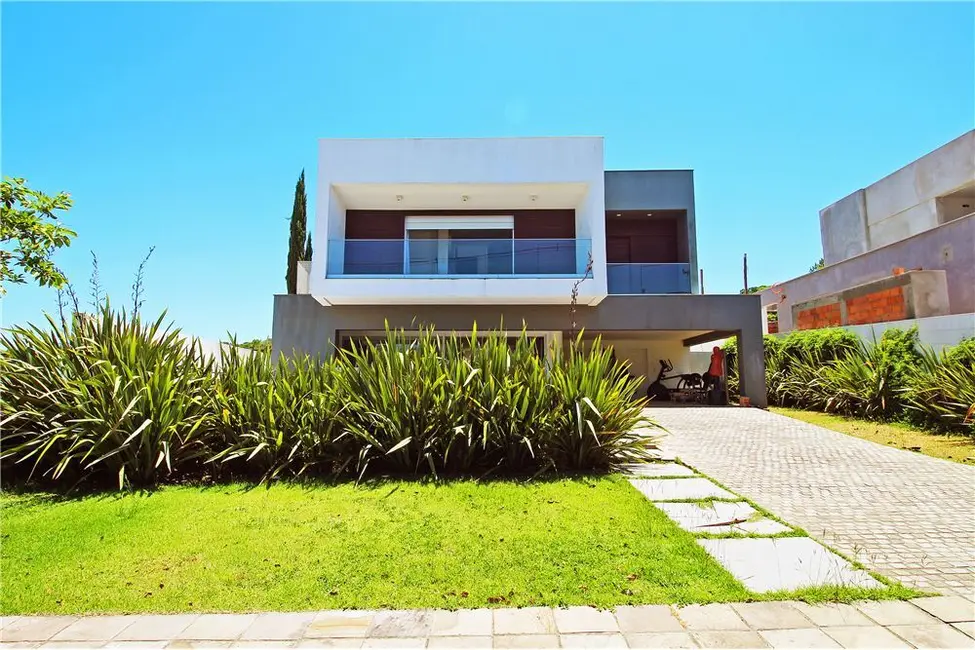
pixel 307 256
pixel 297 238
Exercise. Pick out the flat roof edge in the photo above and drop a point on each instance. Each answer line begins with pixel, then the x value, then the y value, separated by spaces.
pixel 637 171
pixel 503 137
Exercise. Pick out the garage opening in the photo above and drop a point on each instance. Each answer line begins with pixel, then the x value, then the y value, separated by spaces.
pixel 675 365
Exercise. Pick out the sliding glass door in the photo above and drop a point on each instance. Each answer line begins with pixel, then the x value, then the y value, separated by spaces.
pixel 479 252
pixel 458 251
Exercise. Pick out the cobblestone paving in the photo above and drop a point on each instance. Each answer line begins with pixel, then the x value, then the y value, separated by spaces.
pixel 924 623
pixel 907 516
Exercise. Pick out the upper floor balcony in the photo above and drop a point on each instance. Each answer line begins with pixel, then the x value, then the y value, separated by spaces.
pixel 432 255
pixel 648 252
pixel 633 279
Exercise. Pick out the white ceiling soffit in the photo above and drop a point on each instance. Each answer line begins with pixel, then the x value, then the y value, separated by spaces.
pixel 437 196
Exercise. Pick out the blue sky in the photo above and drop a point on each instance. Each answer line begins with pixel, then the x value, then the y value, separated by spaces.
pixel 185 125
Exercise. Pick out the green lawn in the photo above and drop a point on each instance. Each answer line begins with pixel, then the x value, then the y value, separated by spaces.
pixel 959 448
pixel 593 541
pixel 395 545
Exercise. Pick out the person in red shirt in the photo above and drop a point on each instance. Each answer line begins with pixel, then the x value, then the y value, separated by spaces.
pixel 717 367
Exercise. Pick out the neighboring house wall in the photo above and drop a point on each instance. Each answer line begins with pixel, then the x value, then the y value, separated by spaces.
pixel 907 202
pixel 949 248
pixel 916 294
pixel 936 331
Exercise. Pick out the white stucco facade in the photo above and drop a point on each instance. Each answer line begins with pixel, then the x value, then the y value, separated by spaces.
pixel 463 174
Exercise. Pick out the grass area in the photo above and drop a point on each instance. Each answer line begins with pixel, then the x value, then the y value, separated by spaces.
pixel 902 436
pixel 388 545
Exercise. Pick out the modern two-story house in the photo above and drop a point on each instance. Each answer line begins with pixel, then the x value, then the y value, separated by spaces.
pixel 498 232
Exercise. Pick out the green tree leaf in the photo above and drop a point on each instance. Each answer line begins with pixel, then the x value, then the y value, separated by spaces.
pixel 30 233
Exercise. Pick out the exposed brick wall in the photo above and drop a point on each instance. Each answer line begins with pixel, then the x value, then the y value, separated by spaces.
pixel 876 307
pixel 773 327
pixel 817 317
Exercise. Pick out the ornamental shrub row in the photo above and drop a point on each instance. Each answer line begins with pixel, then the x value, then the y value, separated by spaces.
pixel 832 370
pixel 116 400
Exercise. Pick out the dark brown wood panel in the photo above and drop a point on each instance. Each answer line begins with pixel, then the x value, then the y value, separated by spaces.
pixel 617 250
pixel 374 224
pixel 545 224
pixel 656 249
pixel 391 224
pixel 639 239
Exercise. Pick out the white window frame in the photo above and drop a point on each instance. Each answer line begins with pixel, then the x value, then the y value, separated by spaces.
pixel 462 222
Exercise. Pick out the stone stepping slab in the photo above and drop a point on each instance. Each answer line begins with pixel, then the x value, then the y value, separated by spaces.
pixel 656 470
pixel 764 564
pixel 675 489
pixel 701 517
pixel 760 564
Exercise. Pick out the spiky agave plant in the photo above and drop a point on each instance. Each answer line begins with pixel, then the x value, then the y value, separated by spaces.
pixel 276 420
pixel 102 398
pixel 800 381
pixel 599 423
pixel 941 388
pixel 405 399
pixel 868 382
pixel 512 405
pixel 434 403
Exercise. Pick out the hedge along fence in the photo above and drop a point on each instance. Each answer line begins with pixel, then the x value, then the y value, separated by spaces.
pixel 114 400
pixel 833 370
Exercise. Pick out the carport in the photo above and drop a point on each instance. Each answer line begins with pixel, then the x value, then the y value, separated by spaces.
pixel 645 349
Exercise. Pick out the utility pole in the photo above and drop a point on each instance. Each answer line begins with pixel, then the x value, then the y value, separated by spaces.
pixel 744 268
pixel 702 281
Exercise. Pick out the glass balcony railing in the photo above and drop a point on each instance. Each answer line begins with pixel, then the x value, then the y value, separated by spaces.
pixel 648 278
pixel 457 258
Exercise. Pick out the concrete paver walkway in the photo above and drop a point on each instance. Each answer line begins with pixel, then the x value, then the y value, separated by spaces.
pixel 925 623
pixel 907 516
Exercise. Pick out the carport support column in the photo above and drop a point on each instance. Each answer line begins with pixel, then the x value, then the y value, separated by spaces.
pixel 751 364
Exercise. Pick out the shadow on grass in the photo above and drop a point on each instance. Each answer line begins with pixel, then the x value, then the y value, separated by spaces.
pixel 39 494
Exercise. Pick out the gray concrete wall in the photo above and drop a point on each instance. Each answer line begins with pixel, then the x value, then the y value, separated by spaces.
pixel 949 247
pixel 658 189
pixel 927 294
pixel 900 205
pixel 303 326
pixel 843 229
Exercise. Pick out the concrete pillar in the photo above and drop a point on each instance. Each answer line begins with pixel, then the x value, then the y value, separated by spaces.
pixel 751 364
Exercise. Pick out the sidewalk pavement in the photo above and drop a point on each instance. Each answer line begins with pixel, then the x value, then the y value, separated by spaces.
pixel 936 622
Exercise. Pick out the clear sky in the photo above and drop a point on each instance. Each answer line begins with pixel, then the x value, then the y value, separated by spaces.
pixel 185 125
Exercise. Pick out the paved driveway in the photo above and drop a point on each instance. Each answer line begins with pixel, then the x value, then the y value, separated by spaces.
pixel 907 516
